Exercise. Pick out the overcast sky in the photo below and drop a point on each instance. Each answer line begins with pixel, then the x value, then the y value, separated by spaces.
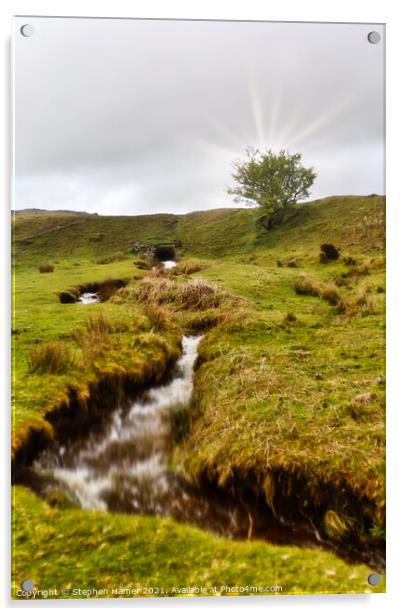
pixel 128 117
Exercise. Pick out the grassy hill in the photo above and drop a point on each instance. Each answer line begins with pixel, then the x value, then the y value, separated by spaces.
pixel 352 222
pixel 289 387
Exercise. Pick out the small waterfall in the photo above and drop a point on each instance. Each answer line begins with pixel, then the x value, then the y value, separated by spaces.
pixel 89 298
pixel 169 264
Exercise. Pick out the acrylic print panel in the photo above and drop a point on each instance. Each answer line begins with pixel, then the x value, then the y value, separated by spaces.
pixel 198 316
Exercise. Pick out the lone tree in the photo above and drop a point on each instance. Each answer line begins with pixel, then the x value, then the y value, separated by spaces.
pixel 272 181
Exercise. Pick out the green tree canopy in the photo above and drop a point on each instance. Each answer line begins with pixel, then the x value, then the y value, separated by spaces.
pixel 272 181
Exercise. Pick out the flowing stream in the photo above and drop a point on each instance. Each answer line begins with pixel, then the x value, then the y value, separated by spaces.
pixel 123 465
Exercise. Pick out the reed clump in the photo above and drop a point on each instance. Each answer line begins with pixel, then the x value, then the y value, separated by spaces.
pixel 306 285
pixel 155 290
pixel 330 294
pixel 53 357
pixel 199 294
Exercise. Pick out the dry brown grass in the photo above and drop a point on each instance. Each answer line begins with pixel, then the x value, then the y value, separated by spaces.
pixel 163 296
pixel 361 302
pixel 366 267
pixel 155 289
pixel 190 267
pixel 46 267
pixel 160 317
pixel 199 294
pixel 329 293
pixel 306 285
pixel 195 294
pixel 367 304
pixel 50 357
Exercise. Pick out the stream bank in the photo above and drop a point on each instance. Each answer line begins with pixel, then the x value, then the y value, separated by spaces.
pixel 119 461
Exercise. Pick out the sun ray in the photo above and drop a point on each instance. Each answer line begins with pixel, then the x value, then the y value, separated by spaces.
pixel 323 120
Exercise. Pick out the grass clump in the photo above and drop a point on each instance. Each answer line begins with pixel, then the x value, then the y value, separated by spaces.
pixel 155 289
pixel 53 357
pixel 365 302
pixel 190 267
pixel 330 294
pixel 342 279
pixel 306 285
pixel 160 317
pixel 46 267
pixel 98 325
pixel 94 338
pixel 360 302
pixel 290 318
pixel 199 294
pixel 358 411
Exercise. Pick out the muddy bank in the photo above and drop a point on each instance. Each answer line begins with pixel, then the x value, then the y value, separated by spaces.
pixel 291 502
pixel 102 291
pixel 87 406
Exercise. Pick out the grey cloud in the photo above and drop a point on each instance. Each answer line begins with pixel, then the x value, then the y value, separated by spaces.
pixel 130 116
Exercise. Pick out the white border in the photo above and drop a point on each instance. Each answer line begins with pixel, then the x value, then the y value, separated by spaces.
pixel 378 11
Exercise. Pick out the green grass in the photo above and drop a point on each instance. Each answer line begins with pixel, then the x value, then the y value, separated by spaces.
pixel 280 399
pixel 72 549
pixel 40 320
pixel 352 223
pixel 289 389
